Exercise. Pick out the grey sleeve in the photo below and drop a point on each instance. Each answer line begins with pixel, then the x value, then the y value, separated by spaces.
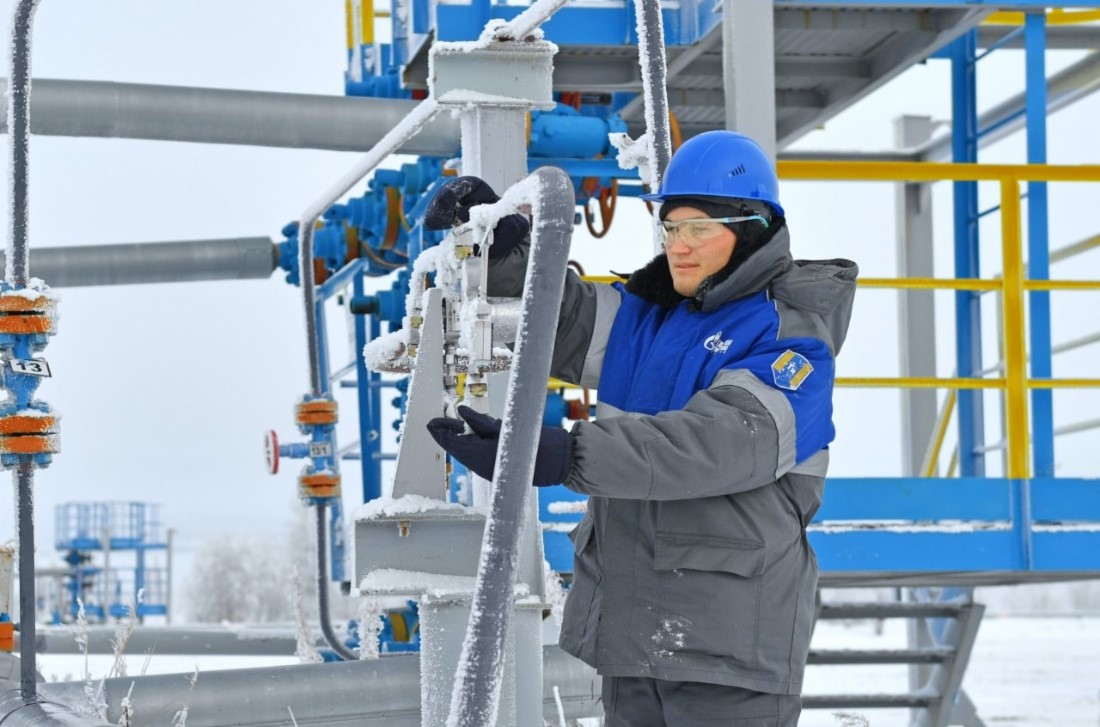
pixel 584 323
pixel 727 439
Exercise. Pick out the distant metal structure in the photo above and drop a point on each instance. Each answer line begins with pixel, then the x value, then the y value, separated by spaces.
pixel 95 540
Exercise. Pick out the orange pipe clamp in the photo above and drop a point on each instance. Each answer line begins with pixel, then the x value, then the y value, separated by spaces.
pixel 19 424
pixel 7 636
pixel 318 411
pixel 30 444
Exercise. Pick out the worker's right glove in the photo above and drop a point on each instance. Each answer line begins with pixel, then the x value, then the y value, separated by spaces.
pixel 451 206
pixel 478 448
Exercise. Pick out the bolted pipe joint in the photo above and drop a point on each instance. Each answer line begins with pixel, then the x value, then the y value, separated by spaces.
pixel 28 428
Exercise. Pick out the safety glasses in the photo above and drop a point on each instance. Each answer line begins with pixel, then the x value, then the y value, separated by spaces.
pixel 697 232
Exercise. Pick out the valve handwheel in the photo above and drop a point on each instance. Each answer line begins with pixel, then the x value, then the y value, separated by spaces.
pixel 271 451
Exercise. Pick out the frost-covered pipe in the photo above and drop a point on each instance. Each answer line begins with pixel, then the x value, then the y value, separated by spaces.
pixel 19 122
pixel 156 262
pixel 478 681
pixel 101 109
pixel 17 712
pixel 519 27
pixel 380 693
pixel 424 112
pixel 651 56
pixel 322 591
pixel 19 113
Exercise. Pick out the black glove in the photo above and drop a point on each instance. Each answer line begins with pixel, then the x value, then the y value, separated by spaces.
pixel 478 451
pixel 451 206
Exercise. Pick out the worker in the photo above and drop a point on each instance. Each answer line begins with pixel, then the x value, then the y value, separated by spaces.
pixel 693 583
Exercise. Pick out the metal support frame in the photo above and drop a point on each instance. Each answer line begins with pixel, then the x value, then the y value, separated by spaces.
pixel 748 69
pixel 968 323
pixel 1038 265
pixel 916 309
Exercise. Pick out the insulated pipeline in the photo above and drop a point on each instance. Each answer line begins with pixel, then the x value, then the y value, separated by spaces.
pixel 478 682
pixel 139 263
pixel 98 109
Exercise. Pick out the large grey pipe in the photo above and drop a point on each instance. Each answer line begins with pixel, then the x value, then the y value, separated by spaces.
pixel 17 712
pixel 381 692
pixel 216 116
pixel 477 685
pixel 156 262
pixel 164 640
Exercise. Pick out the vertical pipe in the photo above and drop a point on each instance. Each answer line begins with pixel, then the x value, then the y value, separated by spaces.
pixel 309 300
pixel 322 590
pixel 968 321
pixel 19 118
pixel 473 700
pixel 25 484
pixel 651 52
pixel 19 123
pixel 1038 266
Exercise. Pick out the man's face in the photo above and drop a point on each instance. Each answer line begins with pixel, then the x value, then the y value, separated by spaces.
pixel 691 260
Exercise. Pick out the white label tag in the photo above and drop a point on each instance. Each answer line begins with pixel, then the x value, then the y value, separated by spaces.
pixel 320 449
pixel 32 367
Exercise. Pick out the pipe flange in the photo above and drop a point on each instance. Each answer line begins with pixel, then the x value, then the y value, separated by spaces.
pixel 319 485
pixel 316 412
pixel 21 314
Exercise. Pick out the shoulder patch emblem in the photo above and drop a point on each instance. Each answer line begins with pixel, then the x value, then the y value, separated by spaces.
pixel 790 370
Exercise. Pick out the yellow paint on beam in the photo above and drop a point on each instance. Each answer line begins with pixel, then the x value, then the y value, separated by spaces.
pixel 1015 331
pixel 918 382
pixel 934 171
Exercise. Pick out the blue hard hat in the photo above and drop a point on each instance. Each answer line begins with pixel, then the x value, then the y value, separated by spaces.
pixel 720 164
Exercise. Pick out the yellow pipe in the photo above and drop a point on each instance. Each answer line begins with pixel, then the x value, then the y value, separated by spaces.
pixel 1015 331
pixel 918 382
pixel 935 171
pixel 929 283
pixel 940 433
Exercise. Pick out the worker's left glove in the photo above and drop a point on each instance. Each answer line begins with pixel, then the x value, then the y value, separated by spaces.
pixel 478 449
pixel 451 206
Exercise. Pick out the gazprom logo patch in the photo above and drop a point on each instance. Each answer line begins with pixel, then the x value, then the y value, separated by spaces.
pixel 790 370
pixel 715 344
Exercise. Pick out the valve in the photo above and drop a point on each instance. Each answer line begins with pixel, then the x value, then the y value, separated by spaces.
pixel 316 419
pixel 28 428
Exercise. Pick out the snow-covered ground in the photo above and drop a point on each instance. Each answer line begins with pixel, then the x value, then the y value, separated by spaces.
pixel 1025 670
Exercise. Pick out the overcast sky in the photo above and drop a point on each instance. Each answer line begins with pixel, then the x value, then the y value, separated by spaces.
pixel 166 390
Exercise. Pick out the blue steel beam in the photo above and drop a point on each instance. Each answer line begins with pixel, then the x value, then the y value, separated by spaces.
pixel 1038 252
pixel 968 322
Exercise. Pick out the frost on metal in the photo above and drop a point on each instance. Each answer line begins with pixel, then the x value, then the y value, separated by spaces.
pixel 304 642
pixel 370 626
pixel 654 73
pixel 387 507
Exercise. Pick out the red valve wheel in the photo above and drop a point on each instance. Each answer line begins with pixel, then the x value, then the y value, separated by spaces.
pixel 271 451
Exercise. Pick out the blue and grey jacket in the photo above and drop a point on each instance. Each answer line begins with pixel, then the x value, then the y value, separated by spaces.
pixel 704 467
